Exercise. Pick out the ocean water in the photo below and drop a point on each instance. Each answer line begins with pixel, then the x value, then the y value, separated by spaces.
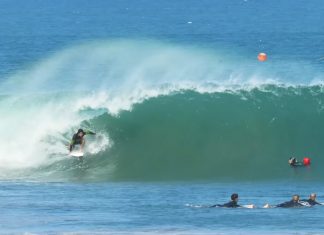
pixel 154 208
pixel 184 113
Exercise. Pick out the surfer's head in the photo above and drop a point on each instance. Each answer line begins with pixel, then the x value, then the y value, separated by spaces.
pixel 80 132
pixel 295 198
pixel 292 160
pixel 234 197
pixel 312 196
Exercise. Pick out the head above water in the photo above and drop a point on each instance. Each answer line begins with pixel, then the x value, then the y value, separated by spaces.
pixel 295 198
pixel 312 196
pixel 234 197
pixel 292 160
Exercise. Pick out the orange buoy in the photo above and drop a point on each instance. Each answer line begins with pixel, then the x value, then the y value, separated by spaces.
pixel 306 161
pixel 262 57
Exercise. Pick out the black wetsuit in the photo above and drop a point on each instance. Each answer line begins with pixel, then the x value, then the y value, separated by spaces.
pixel 76 139
pixel 231 204
pixel 311 202
pixel 290 204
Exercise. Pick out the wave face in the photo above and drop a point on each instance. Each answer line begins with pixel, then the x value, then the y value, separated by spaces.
pixel 161 112
pixel 239 135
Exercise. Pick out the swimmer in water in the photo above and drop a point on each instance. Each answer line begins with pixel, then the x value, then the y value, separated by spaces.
pixel 293 162
pixel 312 200
pixel 294 202
pixel 233 203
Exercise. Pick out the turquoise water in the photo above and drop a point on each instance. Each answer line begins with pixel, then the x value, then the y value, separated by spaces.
pixel 184 113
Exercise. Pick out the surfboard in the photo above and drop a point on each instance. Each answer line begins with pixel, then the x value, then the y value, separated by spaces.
pixel 76 154
pixel 251 206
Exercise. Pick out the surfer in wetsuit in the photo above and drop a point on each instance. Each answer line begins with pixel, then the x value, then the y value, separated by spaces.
pixel 312 200
pixel 78 139
pixel 294 202
pixel 293 162
pixel 230 204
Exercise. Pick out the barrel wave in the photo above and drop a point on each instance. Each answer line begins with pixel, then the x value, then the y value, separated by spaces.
pixel 161 112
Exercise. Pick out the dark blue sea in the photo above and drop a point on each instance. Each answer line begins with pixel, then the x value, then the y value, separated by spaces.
pixel 184 113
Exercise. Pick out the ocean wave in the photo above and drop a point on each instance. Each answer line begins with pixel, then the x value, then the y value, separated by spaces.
pixel 162 112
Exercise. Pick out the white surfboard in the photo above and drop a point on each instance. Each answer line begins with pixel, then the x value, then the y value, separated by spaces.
pixel 251 206
pixel 76 154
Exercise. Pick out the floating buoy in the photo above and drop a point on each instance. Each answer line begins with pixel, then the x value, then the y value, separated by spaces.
pixel 262 57
pixel 306 161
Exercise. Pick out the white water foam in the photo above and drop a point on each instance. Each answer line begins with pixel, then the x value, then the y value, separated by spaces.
pixel 33 130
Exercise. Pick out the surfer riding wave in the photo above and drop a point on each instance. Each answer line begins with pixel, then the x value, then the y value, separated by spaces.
pixel 78 139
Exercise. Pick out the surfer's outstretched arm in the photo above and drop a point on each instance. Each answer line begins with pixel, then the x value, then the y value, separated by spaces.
pixel 89 133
